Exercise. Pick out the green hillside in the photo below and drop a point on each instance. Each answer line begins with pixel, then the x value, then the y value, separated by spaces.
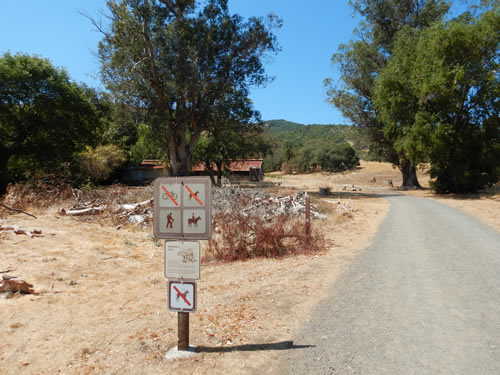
pixel 293 130
pixel 312 147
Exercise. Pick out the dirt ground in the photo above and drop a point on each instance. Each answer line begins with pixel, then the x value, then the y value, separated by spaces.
pixel 102 302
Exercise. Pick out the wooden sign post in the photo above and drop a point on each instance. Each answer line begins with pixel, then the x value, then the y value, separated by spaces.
pixel 308 216
pixel 182 331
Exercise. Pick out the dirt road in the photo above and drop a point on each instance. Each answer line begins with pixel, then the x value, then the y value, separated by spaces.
pixel 424 298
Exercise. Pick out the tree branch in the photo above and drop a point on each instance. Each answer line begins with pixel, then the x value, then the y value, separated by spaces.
pixel 17 210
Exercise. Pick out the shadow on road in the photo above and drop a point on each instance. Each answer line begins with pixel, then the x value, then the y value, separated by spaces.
pixel 283 345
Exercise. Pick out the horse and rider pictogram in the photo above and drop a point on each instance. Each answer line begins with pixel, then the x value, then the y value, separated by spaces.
pixel 194 221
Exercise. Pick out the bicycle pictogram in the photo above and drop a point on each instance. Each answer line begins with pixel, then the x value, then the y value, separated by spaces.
pixel 167 197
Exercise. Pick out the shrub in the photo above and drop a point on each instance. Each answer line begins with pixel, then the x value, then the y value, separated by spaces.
pixel 465 161
pixel 99 163
pixel 239 236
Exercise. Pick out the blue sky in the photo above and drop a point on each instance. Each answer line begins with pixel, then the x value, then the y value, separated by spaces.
pixel 311 33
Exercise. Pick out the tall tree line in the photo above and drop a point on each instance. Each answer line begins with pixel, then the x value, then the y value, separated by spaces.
pixel 392 80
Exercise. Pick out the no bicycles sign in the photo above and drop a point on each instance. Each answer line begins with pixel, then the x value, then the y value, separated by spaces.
pixel 183 208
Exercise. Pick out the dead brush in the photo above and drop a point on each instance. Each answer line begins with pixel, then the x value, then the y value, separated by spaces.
pixel 115 194
pixel 43 190
pixel 238 236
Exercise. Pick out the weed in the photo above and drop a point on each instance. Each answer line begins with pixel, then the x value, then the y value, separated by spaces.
pixel 129 243
pixel 238 236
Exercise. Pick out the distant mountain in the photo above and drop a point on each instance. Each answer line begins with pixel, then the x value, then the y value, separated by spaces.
pixel 292 136
pixel 292 131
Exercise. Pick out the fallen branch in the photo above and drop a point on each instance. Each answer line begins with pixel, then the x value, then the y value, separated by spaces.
pixel 17 210
pixel 113 257
pixel 135 205
pixel 7 271
pixel 84 211
pixel 15 285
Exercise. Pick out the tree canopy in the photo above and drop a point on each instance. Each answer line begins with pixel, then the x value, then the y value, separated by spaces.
pixel 438 97
pixel 183 61
pixel 45 118
pixel 361 60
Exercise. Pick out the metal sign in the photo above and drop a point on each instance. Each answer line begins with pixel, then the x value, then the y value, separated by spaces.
pixel 182 296
pixel 183 208
pixel 182 260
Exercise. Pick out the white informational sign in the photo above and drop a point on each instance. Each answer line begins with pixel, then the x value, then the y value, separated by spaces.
pixel 182 260
pixel 183 208
pixel 182 296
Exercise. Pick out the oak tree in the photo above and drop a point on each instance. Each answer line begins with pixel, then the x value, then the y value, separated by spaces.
pixel 361 60
pixel 180 59
pixel 438 97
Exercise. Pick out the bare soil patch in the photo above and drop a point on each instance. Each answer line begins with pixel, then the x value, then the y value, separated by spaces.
pixel 368 175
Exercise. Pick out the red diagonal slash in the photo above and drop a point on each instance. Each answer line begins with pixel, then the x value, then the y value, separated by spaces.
pixel 194 195
pixel 169 195
pixel 182 295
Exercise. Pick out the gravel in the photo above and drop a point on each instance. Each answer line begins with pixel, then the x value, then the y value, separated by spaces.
pixel 424 298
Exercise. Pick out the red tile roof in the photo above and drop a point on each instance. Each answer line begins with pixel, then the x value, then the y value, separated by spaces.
pixel 234 166
pixel 152 164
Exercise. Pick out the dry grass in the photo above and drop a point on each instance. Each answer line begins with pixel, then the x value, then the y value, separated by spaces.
pixel 102 302
pixel 369 175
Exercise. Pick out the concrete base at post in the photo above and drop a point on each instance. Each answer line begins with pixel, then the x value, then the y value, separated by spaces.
pixel 175 353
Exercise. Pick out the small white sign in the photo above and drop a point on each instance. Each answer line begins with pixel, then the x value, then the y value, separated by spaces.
pixel 182 296
pixel 182 260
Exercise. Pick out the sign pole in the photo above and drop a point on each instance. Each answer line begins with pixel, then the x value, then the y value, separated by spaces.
pixel 308 216
pixel 183 331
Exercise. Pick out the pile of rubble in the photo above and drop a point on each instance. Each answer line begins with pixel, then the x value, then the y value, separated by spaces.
pixel 260 203
pixel 18 230
pixel 225 199
pixel 135 213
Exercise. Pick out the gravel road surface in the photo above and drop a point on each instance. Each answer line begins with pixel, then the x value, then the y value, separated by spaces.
pixel 424 298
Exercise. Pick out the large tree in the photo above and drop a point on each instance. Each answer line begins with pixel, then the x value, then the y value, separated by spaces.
pixel 361 60
pixel 438 97
pixel 180 59
pixel 45 118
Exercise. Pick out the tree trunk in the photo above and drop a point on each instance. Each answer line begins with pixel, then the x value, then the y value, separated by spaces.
pixel 219 173
pixel 179 150
pixel 179 163
pixel 4 172
pixel 180 157
pixel 409 172
pixel 210 171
